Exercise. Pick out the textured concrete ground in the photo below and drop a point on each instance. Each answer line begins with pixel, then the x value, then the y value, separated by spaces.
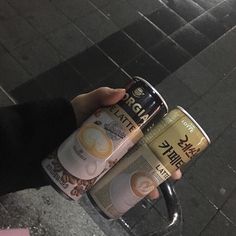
pixel 186 48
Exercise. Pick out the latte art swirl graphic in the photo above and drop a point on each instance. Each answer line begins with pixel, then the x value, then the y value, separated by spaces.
pixel 95 141
pixel 141 184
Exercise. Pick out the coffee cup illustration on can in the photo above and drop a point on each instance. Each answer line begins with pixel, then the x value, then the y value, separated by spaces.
pixel 128 189
pixel 95 146
pixel 104 138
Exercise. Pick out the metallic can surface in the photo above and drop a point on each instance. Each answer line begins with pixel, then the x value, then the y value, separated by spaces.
pixel 174 141
pixel 104 138
pixel 177 139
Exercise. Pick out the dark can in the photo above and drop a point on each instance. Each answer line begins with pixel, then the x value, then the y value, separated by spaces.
pixel 104 138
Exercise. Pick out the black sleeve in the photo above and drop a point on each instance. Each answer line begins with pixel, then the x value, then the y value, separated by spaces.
pixel 28 132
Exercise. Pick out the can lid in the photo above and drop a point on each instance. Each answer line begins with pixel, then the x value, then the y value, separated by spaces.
pixel 154 90
pixel 195 122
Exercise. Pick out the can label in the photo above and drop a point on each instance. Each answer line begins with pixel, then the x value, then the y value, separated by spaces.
pixel 103 139
pixel 86 152
pixel 92 150
pixel 177 139
pixel 170 144
pixel 71 186
pixel 128 182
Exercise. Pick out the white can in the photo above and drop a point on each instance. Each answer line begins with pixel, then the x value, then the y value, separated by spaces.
pixel 104 138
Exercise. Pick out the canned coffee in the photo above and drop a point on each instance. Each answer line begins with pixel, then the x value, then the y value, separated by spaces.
pixel 104 138
pixel 174 141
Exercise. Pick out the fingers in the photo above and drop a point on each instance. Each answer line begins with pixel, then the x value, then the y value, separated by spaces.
pixel 176 175
pixel 103 96
pixel 106 96
pixel 85 104
pixel 154 194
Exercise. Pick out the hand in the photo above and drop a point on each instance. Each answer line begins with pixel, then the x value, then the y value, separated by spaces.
pixel 85 104
pixel 155 193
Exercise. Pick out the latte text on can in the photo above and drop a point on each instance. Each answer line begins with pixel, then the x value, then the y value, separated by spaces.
pixel 174 141
pixel 103 139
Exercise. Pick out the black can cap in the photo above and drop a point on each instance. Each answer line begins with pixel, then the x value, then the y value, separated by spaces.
pixel 152 91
